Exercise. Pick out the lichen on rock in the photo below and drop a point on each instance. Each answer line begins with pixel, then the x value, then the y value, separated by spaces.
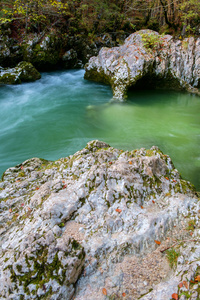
pixel 148 59
pixel 90 221
pixel 23 72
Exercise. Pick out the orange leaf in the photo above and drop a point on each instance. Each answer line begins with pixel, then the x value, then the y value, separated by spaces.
pixel 153 201
pixel 185 284
pixel 104 291
pixel 167 178
pixel 174 181
pixel 37 188
pixel 175 296
pixel 130 162
pixel 10 210
pixel 118 210
pixel 142 207
pixel 192 281
pixel 180 285
pixel 124 294
pixel 157 242
pixel 197 278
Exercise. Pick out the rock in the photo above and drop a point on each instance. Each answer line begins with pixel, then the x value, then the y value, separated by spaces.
pixel 23 72
pixel 102 218
pixel 148 59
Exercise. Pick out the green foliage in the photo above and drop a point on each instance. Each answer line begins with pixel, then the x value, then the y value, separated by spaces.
pixel 172 257
pixel 190 14
pixel 151 40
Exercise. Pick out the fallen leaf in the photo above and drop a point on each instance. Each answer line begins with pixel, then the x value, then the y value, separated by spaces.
pixel 37 188
pixel 185 284
pixel 22 204
pixel 63 181
pixel 197 278
pixel 64 186
pixel 124 294
pixel 110 162
pixel 174 181
pixel 191 233
pixel 175 296
pixel 104 291
pixel 167 178
pixel 10 210
pixel 142 207
pixel 118 210
pixel 17 215
pixel 22 167
pixel 192 281
pixel 29 209
pixel 180 285
pixel 130 163
pixel 153 201
pixel 157 242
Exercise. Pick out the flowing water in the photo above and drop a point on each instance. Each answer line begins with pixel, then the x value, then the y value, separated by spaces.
pixel 57 115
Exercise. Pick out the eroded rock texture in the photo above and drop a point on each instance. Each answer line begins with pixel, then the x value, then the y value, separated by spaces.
pixel 103 215
pixel 147 59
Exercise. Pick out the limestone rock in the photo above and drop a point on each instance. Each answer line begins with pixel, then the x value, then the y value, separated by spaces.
pixel 103 215
pixel 148 59
pixel 23 72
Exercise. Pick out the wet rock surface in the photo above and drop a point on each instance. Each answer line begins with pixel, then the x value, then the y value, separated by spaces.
pixel 23 72
pixel 147 59
pixel 98 224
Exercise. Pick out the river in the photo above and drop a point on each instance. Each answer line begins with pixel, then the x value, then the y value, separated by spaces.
pixel 57 115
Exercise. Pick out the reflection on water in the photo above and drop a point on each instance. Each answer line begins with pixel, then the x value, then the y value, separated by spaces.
pixel 59 114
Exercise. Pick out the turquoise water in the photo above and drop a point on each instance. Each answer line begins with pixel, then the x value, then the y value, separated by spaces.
pixel 57 115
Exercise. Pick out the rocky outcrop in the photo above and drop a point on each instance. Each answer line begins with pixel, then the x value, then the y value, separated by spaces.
pixel 23 72
pixel 105 216
pixel 147 59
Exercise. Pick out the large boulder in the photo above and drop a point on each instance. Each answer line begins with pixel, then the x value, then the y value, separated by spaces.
pixel 105 216
pixel 23 72
pixel 147 59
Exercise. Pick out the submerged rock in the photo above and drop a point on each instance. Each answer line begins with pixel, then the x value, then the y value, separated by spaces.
pixel 23 72
pixel 103 215
pixel 147 59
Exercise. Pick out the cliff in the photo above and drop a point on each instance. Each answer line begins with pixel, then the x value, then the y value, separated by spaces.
pixel 102 223
pixel 147 59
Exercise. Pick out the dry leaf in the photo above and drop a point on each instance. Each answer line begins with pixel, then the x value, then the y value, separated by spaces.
pixel 185 284
pixel 110 162
pixel 124 294
pixel 167 178
pixel 180 285
pixel 153 201
pixel 104 291
pixel 22 167
pixel 37 188
pixel 175 296
pixel 157 242
pixel 22 204
pixel 197 278
pixel 142 207
pixel 118 210
pixel 17 215
pixel 174 181
pixel 10 210
pixel 130 163
pixel 64 186
pixel 29 209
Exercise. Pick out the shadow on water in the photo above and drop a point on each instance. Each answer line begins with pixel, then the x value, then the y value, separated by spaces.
pixel 57 115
